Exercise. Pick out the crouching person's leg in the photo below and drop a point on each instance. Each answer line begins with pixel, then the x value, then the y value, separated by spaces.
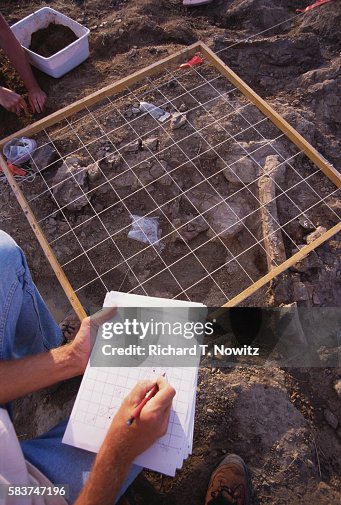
pixel 26 325
pixel 63 464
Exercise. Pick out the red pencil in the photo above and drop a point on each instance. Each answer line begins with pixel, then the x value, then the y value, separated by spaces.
pixel 137 411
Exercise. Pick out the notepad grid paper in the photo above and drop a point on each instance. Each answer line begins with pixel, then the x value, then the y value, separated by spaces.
pixel 102 391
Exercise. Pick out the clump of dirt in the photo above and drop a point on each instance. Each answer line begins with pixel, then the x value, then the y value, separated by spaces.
pixel 49 41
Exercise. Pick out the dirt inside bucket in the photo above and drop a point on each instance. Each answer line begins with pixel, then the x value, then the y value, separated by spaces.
pixel 48 41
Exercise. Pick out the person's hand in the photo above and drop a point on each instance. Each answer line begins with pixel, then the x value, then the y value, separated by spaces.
pixel 150 425
pixel 83 342
pixel 12 101
pixel 37 99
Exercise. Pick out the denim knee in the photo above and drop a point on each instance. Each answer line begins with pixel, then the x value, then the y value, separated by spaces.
pixel 11 258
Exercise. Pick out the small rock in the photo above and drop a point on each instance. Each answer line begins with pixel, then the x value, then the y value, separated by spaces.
pixel 132 53
pixel 300 292
pixel 222 219
pixel 190 230
pixel 182 108
pixel 127 179
pixel 310 464
pixel 43 157
pixel 166 180
pixel 144 164
pixel 282 290
pixel 135 110
pixel 177 120
pixel 100 153
pixel 114 160
pixel 93 172
pixel 331 418
pixel 132 147
pixel 151 144
pixel 305 223
pixel 70 180
pixel 316 298
pixel 306 263
pixel 209 411
pixel 120 31
pixel 196 451
pixel 245 172
pixel 157 171
pixel 337 388
pixel 144 177
pixel 320 230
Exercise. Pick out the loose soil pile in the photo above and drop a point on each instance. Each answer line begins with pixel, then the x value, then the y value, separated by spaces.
pixel 49 41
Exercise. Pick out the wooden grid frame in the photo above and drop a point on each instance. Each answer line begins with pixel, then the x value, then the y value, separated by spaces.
pixel 175 59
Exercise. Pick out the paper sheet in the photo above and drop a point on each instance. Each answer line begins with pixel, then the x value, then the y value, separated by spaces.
pixel 103 389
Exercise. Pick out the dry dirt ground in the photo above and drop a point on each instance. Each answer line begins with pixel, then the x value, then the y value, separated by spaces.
pixel 274 418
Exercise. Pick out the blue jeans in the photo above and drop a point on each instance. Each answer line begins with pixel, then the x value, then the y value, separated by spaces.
pixel 27 328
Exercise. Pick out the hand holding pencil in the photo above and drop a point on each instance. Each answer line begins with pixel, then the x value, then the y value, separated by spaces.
pixel 143 417
pixel 138 409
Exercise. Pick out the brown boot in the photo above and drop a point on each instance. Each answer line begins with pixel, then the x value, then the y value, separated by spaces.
pixel 230 483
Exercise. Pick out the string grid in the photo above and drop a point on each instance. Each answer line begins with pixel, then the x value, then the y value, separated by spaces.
pixel 200 181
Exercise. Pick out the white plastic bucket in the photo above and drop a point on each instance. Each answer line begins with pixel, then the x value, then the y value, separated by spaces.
pixel 65 60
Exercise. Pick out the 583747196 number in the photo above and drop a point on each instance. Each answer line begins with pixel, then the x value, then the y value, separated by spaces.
pixel 46 491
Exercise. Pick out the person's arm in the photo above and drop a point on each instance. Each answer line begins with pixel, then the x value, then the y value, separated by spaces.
pixel 19 377
pixel 22 376
pixel 124 443
pixel 16 54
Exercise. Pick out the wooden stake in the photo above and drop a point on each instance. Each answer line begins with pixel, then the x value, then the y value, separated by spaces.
pixel 75 303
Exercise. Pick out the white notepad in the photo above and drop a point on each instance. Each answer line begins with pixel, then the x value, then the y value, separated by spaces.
pixel 103 389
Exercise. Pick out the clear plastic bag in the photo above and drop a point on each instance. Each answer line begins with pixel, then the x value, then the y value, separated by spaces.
pixel 18 151
pixel 145 229
pixel 154 111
